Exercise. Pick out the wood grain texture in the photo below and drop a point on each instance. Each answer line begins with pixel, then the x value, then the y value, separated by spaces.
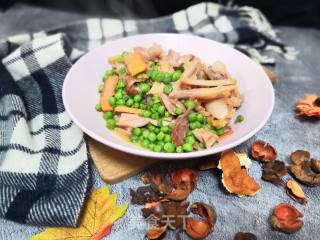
pixel 115 166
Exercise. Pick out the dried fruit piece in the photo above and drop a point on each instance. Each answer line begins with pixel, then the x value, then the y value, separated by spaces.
pixel 245 236
pixel 234 178
pixel 273 171
pixel 315 165
pixel 294 191
pixel 262 151
pixel 199 229
pixel 156 232
pixel 301 168
pixel 286 218
pixel 309 106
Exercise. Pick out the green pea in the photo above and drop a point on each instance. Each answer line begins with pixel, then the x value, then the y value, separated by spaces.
pixel 153 75
pixel 187 147
pixel 193 125
pixel 111 123
pixel 167 138
pixel 190 139
pixel 148 73
pixel 167 114
pixel 118 95
pixel 176 75
pixel 151 146
pixel 152 137
pixel 122 71
pixel 120 84
pixel 136 105
pixel 192 117
pixel 157 130
pixel 109 72
pixel 144 87
pixel 200 118
pixel 170 126
pixel 159 123
pixel 239 119
pixel 142 106
pixel 161 109
pixel 167 89
pixel 159 76
pixel 220 131
pixel 107 115
pixel 190 133
pixel 121 102
pixel 100 89
pixel 201 145
pixel 112 101
pixel 166 77
pixel 125 97
pixel 165 129
pixel 155 99
pixel 157 148
pixel 137 131
pixel 189 103
pixel 129 102
pixel 169 147
pixel 178 111
pixel 98 107
pixel 145 133
pixel 179 149
pixel 134 138
pixel 155 116
pixel 151 127
pixel 198 125
pixel 209 126
pixel 160 136
pixel 137 98
pixel 145 143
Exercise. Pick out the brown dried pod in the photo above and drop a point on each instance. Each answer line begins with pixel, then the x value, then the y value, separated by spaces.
pixel 262 151
pixel 209 163
pixel 301 168
pixel 143 195
pixel 286 218
pixel 245 236
pixel 294 191
pixel 273 171
pixel 199 229
pixel 315 165
pixel 155 233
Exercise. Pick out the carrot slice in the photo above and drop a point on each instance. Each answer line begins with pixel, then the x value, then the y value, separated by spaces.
pixel 108 91
pixel 135 63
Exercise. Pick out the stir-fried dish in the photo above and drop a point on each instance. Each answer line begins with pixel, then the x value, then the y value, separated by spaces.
pixel 168 102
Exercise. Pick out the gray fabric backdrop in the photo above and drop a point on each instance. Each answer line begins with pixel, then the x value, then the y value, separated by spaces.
pixel 283 130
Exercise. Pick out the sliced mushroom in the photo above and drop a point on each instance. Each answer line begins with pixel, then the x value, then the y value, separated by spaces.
pixel 180 128
pixel 208 83
pixel 203 93
pixel 218 108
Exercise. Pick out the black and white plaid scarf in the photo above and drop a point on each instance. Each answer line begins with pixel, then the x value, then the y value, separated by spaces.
pixel 44 171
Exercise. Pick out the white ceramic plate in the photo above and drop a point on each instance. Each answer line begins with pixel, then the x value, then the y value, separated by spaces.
pixel 80 89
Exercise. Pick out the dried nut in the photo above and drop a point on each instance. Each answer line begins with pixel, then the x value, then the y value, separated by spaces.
pixel 234 178
pixel 309 106
pixel 294 191
pixel 285 218
pixel 315 165
pixel 273 171
pixel 262 151
pixel 156 232
pixel 245 236
pixel 301 168
pixel 199 229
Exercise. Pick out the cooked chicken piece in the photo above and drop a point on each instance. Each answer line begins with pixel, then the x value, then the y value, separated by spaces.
pixel 218 108
pixel 220 69
pixel 205 136
pixel 191 68
pixel 156 89
pixel 179 105
pixel 165 66
pixel 134 120
pixel 217 123
pixel 167 103
pixel 180 128
pixel 236 98
pixel 124 109
pixel 152 53
pixel 124 131
pixel 173 58
pixel 208 83
pixel 185 58
pixel 203 93
pixel 130 87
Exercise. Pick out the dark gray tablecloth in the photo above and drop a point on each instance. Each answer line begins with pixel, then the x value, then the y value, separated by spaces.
pixel 283 130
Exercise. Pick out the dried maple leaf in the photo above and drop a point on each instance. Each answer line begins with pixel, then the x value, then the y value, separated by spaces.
pixel 309 106
pixel 234 178
pixel 99 214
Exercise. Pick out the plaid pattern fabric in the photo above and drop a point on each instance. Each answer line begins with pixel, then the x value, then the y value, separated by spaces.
pixel 43 157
